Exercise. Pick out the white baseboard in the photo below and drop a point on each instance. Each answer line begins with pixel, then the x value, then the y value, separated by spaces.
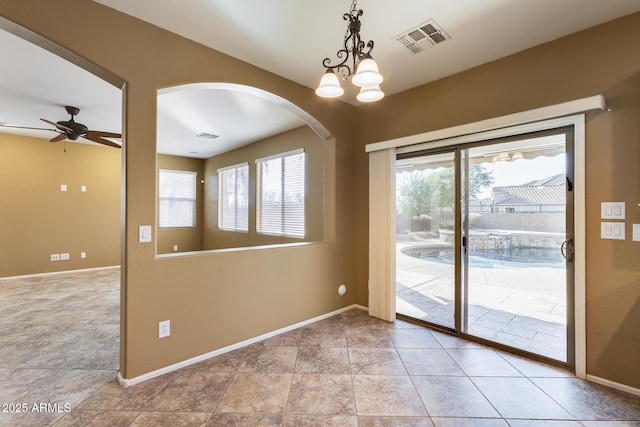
pixel 55 273
pixel 127 382
pixel 613 384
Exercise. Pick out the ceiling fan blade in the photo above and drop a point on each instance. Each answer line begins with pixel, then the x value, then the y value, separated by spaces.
pixel 26 127
pixel 61 127
pixel 101 140
pixel 59 137
pixel 103 134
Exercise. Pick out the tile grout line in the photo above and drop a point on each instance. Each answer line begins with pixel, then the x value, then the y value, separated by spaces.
pixel 424 405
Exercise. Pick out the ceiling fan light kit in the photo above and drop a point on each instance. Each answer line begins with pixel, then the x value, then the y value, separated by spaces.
pixel 363 70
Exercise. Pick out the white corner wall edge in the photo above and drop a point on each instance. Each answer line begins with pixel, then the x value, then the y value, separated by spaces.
pixel 596 102
pixel 127 382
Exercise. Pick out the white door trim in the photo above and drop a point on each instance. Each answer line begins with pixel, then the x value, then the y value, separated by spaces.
pixel 410 144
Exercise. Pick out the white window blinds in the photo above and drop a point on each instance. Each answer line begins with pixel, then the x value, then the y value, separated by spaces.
pixel 281 193
pixel 177 196
pixel 233 204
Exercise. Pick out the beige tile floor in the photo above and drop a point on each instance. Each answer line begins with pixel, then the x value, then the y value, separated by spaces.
pixel 347 370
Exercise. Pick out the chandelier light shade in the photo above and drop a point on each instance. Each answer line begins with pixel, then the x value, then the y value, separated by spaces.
pixel 329 85
pixel 370 94
pixel 355 64
pixel 367 73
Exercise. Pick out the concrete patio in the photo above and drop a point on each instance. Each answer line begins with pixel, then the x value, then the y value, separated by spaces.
pixel 523 307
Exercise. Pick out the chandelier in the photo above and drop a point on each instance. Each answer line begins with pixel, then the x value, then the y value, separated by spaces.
pixel 355 63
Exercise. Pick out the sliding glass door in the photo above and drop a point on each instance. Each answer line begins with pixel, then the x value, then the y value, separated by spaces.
pixel 425 238
pixel 484 241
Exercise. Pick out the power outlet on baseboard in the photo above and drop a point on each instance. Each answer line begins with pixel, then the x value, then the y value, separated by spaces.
pixel 164 329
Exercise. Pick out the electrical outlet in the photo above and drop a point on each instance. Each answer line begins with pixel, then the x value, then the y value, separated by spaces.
pixel 83 254
pixel 64 257
pixel 55 257
pixel 164 329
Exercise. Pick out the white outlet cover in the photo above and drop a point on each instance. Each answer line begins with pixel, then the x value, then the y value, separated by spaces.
pixel 164 329
pixel 83 254
pixel 63 187
pixel 636 233
pixel 64 257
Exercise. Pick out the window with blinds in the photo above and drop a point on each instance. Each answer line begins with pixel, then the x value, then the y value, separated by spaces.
pixel 281 193
pixel 233 198
pixel 177 198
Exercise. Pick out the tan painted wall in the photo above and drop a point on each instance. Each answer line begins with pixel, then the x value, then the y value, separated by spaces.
pixel 37 219
pixel 212 300
pixel 187 238
pixel 602 60
pixel 303 137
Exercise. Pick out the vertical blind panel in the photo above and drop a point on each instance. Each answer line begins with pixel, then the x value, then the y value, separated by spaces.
pixel 177 194
pixel 281 197
pixel 234 199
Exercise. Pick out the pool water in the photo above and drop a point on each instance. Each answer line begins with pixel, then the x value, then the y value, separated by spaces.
pixel 494 258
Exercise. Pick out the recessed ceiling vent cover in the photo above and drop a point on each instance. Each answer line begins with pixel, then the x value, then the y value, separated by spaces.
pixel 423 36
pixel 206 135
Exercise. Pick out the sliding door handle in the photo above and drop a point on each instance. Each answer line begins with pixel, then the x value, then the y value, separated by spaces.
pixel 567 249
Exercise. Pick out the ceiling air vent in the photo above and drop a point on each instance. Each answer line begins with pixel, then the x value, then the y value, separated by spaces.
pixel 206 135
pixel 423 36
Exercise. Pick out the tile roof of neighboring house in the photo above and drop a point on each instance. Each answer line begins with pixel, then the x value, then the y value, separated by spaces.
pixel 548 191
pixel 558 179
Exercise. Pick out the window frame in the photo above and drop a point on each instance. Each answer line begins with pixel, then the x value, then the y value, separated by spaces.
pixel 284 227
pixel 221 171
pixel 193 200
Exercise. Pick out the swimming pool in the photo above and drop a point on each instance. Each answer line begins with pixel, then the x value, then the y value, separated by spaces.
pixel 493 258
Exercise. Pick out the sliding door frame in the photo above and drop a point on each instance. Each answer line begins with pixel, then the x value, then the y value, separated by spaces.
pixel 463 135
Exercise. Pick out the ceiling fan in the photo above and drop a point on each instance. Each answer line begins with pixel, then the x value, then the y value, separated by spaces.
pixel 72 130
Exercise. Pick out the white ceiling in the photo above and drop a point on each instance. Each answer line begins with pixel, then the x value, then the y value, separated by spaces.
pixel 35 84
pixel 289 38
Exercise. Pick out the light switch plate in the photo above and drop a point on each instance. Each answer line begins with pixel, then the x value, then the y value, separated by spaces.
pixel 144 234
pixel 612 230
pixel 612 210
pixel 636 233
